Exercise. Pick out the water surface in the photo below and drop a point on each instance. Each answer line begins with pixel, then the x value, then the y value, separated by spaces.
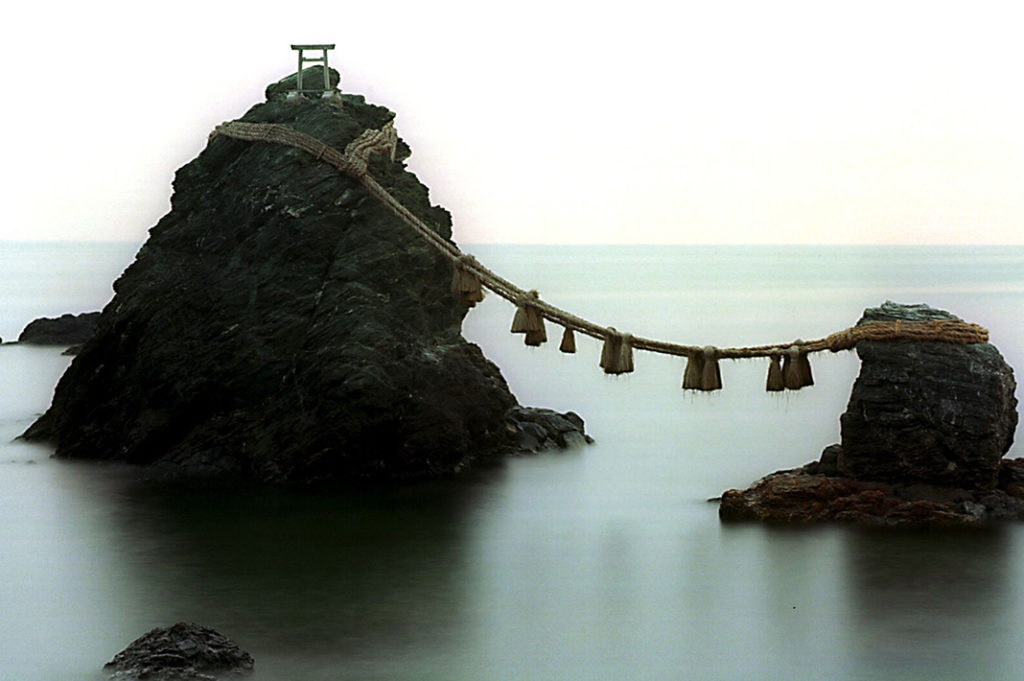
pixel 599 563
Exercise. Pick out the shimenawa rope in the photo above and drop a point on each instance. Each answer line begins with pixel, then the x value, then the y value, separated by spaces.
pixel 702 372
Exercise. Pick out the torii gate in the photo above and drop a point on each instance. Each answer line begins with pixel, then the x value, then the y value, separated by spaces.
pixel 313 60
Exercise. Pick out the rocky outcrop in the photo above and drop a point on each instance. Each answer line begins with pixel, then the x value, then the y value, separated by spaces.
pixel 931 412
pixel 923 437
pixel 67 329
pixel 283 325
pixel 807 495
pixel 183 652
pixel 538 429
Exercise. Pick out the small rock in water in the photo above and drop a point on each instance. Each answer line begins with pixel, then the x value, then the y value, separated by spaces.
pixel 67 329
pixel 183 652
pixel 923 439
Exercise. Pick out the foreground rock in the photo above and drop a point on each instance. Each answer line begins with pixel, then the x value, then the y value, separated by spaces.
pixel 805 495
pixel 923 438
pixel 183 652
pixel 66 330
pixel 280 324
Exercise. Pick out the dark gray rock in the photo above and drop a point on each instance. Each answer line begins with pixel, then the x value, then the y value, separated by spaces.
pixel 537 429
pixel 67 329
pixel 281 324
pixel 312 79
pixel 923 438
pixel 183 652
pixel 933 412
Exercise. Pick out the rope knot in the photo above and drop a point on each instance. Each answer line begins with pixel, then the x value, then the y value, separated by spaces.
pixel 841 340
pixel 528 298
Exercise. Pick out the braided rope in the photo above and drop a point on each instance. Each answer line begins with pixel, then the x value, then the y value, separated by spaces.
pixel 355 159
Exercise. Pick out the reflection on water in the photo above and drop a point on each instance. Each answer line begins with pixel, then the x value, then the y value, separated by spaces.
pixel 308 571
pixel 941 595
pixel 602 563
pixel 310 585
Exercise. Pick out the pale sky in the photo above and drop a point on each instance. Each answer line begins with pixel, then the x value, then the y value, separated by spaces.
pixel 561 122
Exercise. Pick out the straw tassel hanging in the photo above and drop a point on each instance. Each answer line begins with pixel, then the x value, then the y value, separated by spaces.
pixel 617 353
pixel 775 382
pixel 796 369
pixel 803 365
pixel 465 283
pixel 702 371
pixel 711 375
pixel 626 354
pixel 568 344
pixel 535 338
pixel 693 372
pixel 528 320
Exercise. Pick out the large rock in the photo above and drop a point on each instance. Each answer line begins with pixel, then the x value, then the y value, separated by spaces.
pixel 932 412
pixel 923 439
pixel 182 652
pixel 282 324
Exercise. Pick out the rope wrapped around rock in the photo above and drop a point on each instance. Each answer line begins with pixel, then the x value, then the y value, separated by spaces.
pixel 354 160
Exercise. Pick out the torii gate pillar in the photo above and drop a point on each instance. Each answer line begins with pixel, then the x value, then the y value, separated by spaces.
pixel 313 60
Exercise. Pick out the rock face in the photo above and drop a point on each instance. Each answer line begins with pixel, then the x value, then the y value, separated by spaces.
pixel 283 325
pixel 931 412
pixel 67 329
pixel 923 437
pixel 183 652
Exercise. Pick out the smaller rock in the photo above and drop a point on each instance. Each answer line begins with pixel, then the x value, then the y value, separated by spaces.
pixel 537 429
pixel 183 652
pixel 67 329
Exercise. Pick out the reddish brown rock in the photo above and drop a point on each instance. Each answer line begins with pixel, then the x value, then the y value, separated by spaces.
pixel 803 495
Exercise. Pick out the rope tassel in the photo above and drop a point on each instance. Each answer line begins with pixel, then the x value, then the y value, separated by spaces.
pixel 796 369
pixel 617 353
pixel 775 382
pixel 529 320
pixel 702 371
pixel 535 338
pixel 711 376
pixel 568 344
pixel 465 282
pixel 693 372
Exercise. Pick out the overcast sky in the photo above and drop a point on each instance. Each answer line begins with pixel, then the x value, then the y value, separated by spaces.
pixel 628 122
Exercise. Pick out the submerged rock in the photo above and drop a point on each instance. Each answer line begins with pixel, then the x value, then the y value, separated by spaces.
pixel 923 437
pixel 281 324
pixel 67 329
pixel 183 652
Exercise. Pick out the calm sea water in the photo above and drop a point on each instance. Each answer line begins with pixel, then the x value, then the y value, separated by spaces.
pixel 599 563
